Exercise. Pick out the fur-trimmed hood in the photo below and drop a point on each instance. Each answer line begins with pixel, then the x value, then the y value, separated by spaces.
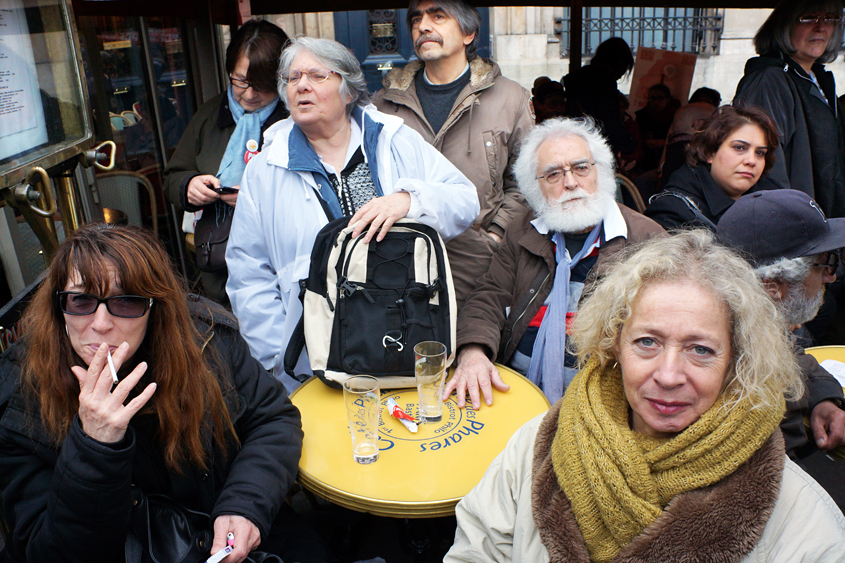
pixel 722 522
pixel 482 73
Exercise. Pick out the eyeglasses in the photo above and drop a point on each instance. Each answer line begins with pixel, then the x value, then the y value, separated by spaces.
pixel 315 75
pixel 124 306
pixel 243 84
pixel 830 260
pixel 829 19
pixel 582 170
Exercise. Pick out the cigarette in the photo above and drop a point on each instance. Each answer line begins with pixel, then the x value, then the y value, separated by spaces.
pixel 400 415
pixel 111 367
pixel 218 557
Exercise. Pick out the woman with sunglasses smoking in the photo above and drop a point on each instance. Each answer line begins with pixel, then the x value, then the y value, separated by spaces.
pixel 790 82
pixel 225 133
pixel 193 416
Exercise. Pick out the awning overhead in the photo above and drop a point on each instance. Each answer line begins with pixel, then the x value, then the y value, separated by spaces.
pixel 289 6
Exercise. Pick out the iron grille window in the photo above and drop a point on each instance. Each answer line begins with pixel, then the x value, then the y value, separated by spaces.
pixel 382 25
pixel 693 30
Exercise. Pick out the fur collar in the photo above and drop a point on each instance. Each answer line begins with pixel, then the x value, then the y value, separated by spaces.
pixel 719 523
pixel 481 71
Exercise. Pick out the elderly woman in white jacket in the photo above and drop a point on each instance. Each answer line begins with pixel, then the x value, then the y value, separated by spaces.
pixel 666 446
pixel 335 156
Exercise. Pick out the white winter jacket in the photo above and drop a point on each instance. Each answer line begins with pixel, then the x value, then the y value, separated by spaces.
pixel 498 519
pixel 278 216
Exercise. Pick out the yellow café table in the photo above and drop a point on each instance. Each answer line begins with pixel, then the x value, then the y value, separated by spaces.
pixel 822 353
pixel 418 475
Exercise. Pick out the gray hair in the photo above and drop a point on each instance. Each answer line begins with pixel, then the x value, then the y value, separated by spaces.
pixel 525 167
pixel 467 17
pixel 333 56
pixel 763 366
pixel 791 271
pixel 776 32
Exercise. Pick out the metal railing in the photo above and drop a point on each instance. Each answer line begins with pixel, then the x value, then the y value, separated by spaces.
pixel 693 30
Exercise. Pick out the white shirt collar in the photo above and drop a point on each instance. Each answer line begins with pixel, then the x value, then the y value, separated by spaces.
pixel 430 83
pixel 614 224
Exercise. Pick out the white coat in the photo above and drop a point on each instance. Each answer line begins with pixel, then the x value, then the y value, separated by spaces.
pixel 497 522
pixel 278 216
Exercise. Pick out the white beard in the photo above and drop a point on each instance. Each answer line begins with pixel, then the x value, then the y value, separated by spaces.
pixel 567 216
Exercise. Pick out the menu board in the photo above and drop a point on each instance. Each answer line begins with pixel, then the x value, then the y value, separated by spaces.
pixel 22 123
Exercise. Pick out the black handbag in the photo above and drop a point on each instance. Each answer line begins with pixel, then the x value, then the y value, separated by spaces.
pixel 168 532
pixel 211 236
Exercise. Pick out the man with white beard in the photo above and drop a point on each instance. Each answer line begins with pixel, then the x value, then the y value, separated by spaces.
pixel 520 310
pixel 794 250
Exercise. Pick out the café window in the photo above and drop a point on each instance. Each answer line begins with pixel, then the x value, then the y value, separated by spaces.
pixel 41 108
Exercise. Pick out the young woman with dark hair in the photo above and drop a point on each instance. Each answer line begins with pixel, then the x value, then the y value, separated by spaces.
pixel 724 160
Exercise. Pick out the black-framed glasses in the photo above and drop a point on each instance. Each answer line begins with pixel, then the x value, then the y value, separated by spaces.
pixel 582 170
pixel 315 75
pixel 830 261
pixel 125 306
pixel 829 19
pixel 243 84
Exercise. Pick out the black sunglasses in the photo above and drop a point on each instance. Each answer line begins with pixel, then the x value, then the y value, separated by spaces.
pixel 830 261
pixel 125 306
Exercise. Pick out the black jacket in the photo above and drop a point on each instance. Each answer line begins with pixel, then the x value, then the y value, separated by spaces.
pixel 71 503
pixel 820 386
pixel 811 156
pixel 203 145
pixel 699 188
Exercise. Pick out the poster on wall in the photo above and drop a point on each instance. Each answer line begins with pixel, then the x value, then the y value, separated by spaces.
pixel 655 66
pixel 22 124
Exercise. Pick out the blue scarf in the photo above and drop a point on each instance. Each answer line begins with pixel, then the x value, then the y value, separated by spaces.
pixel 248 129
pixel 547 357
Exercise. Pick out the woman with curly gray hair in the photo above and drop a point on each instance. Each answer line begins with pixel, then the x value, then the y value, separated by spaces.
pixel 336 156
pixel 790 82
pixel 667 441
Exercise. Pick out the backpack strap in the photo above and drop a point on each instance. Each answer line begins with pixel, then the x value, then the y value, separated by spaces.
pixel 296 342
pixel 691 205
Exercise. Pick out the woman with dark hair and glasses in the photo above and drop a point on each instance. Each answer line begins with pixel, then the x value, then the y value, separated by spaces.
pixel 191 414
pixel 726 159
pixel 790 82
pixel 226 132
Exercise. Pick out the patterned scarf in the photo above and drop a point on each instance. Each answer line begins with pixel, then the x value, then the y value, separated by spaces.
pixel 618 481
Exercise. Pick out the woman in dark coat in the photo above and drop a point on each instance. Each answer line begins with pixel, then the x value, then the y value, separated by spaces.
pixel 724 160
pixel 790 82
pixel 193 416
pixel 226 132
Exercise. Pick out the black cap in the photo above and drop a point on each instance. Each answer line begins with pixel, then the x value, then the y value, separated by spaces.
pixel 769 225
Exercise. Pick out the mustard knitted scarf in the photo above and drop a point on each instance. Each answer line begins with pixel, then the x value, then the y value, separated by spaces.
pixel 618 481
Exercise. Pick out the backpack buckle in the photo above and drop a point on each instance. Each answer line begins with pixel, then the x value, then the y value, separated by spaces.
pixel 393 342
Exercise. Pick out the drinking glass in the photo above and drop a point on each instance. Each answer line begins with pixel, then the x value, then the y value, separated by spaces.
pixel 361 396
pixel 430 372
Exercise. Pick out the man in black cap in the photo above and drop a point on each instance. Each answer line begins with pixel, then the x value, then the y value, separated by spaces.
pixel 794 250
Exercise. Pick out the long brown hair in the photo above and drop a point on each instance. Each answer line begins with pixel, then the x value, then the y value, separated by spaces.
pixel 188 397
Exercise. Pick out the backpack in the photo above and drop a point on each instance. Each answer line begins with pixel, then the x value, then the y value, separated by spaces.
pixel 365 306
